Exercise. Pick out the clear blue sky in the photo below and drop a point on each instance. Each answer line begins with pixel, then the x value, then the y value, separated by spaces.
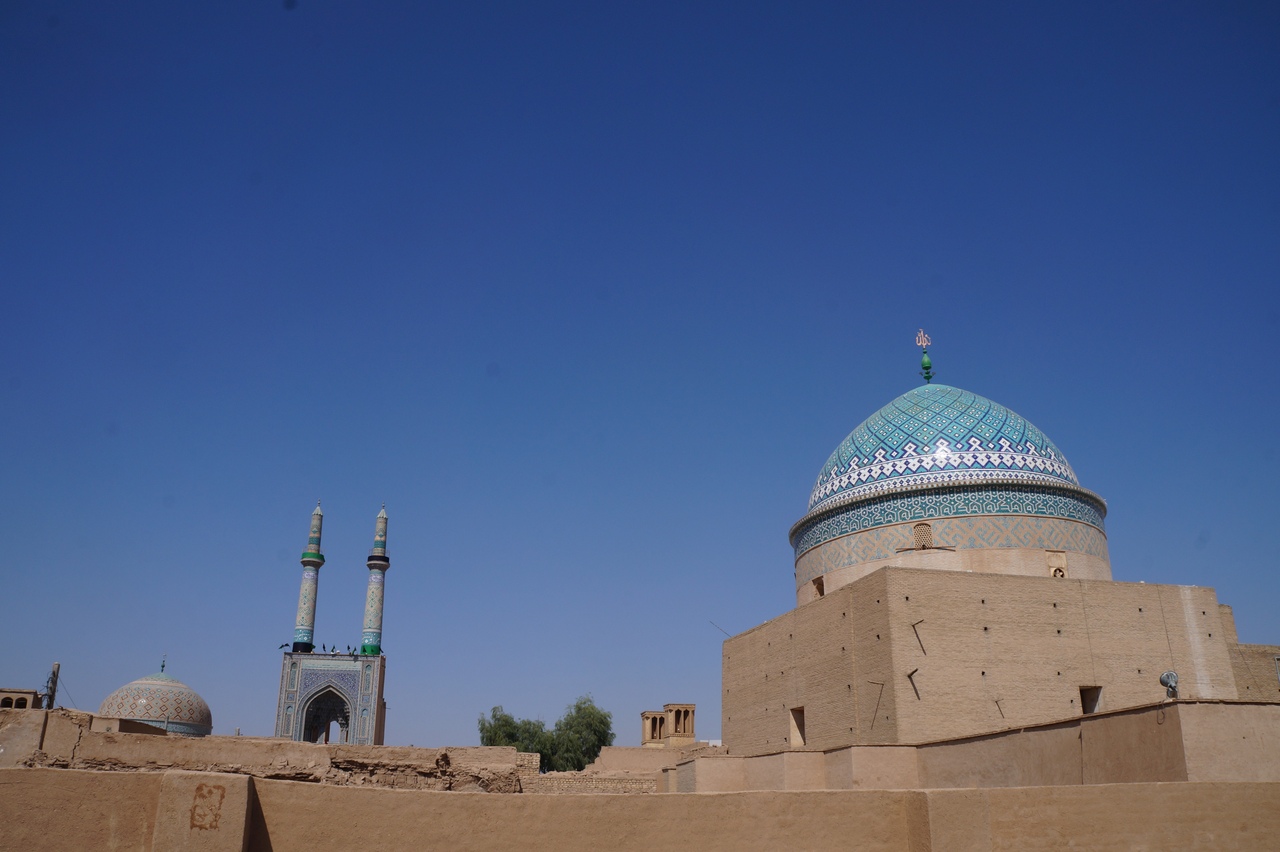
pixel 587 293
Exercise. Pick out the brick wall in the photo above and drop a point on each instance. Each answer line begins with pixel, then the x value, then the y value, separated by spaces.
pixel 59 809
pixel 68 740
pixel 1257 678
pixel 961 654
pixel 831 658
pixel 576 782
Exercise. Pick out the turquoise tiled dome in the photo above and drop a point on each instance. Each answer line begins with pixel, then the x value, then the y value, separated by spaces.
pixel 938 436
pixel 163 701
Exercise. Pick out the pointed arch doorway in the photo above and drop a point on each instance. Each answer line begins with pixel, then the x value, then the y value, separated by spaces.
pixel 322 711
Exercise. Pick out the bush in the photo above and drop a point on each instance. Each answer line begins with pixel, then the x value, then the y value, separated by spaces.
pixel 574 742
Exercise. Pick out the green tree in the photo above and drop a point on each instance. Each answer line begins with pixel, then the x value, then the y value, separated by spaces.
pixel 527 735
pixel 579 735
pixel 574 742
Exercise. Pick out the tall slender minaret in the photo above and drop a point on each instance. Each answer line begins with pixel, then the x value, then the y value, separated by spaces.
pixel 371 638
pixel 312 559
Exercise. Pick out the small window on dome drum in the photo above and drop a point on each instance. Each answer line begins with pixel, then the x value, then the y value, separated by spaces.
pixel 923 535
pixel 819 587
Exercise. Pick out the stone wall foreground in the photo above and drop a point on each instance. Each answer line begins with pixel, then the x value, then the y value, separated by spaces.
pixel 66 739
pixel 58 809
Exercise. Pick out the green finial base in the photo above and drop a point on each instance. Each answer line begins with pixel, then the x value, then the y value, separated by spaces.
pixel 370 650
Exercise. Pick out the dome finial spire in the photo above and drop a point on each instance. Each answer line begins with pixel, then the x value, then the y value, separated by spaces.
pixel 926 366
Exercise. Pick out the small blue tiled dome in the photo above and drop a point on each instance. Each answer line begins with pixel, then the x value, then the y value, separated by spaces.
pixel 163 701
pixel 937 436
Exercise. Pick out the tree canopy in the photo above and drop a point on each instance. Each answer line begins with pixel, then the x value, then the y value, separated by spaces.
pixel 574 742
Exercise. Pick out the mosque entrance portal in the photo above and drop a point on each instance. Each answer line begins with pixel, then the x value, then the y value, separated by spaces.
pixel 322 711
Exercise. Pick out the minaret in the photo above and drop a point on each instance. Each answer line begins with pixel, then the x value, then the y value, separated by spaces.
pixel 312 559
pixel 371 638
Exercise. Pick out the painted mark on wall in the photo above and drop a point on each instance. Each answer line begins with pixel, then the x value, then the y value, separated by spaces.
pixel 206 806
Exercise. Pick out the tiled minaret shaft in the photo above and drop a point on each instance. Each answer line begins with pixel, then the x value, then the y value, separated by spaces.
pixel 312 558
pixel 371 638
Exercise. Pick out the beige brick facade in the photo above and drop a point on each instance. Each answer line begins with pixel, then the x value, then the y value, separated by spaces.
pixel 910 655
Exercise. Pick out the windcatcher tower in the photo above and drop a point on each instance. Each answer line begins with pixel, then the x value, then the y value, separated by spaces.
pixel 332 696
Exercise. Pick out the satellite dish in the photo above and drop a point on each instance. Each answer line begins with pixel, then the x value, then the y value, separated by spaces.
pixel 1169 680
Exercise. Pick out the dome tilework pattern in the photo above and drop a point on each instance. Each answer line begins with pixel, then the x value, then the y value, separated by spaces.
pixel 927 505
pixel 937 436
pixel 157 699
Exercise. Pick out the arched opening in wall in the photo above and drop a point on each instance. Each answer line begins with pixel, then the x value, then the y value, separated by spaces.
pixel 6 702
pixel 819 587
pixel 20 704
pixel 1057 561
pixel 922 536
pixel 321 712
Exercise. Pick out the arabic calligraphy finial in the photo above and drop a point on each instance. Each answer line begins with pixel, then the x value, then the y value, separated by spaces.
pixel 926 366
